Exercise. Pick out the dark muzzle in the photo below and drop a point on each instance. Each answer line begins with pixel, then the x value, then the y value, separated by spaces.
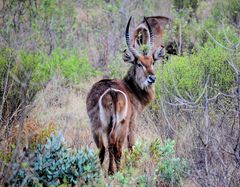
pixel 151 79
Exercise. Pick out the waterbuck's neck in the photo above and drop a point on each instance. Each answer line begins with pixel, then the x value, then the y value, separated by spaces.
pixel 143 96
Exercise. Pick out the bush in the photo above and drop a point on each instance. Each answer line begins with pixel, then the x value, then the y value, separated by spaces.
pixel 54 164
pixel 132 160
pixel 193 4
pixel 72 65
pixel 5 54
pixel 229 10
pixel 37 68
pixel 117 67
pixel 187 75
pixel 166 167
pixel 187 33
pixel 170 169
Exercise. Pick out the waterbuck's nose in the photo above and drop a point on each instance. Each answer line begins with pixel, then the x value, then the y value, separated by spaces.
pixel 151 79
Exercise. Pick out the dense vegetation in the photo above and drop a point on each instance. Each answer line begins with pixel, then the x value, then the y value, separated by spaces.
pixel 52 51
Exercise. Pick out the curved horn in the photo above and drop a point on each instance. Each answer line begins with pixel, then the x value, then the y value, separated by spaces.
pixel 131 49
pixel 150 37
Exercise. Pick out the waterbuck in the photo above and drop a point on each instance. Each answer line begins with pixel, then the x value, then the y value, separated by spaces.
pixel 113 105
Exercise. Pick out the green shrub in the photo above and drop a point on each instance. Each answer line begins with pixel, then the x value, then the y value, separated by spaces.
pixel 54 164
pixel 190 32
pixel 222 32
pixel 170 169
pixel 193 4
pixel 30 69
pixel 186 75
pixel 72 65
pixel 166 167
pixel 5 55
pixel 118 68
pixel 183 30
pixel 229 10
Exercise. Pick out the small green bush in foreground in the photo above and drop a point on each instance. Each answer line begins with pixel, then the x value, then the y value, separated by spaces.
pixel 149 165
pixel 53 164
pixel 170 169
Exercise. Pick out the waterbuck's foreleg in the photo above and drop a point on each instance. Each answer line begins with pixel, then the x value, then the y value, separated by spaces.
pixel 98 138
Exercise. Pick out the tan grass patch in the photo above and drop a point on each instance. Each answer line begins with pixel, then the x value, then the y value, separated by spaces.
pixel 65 106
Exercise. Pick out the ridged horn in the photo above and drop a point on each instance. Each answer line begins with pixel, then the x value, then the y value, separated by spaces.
pixel 131 49
pixel 151 41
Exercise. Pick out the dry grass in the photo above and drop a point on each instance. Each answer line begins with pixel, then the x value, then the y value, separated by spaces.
pixel 65 107
pixel 32 134
pixel 28 135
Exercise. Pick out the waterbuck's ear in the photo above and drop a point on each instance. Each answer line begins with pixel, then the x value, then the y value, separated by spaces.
pixel 159 52
pixel 128 56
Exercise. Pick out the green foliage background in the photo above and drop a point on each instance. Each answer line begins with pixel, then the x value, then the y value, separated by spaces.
pixel 187 75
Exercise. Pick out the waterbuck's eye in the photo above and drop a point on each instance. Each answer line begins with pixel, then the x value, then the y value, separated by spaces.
pixel 139 65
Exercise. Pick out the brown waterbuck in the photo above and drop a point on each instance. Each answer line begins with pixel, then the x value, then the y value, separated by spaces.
pixel 113 105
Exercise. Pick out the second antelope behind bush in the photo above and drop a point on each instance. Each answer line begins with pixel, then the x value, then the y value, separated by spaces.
pixel 113 105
